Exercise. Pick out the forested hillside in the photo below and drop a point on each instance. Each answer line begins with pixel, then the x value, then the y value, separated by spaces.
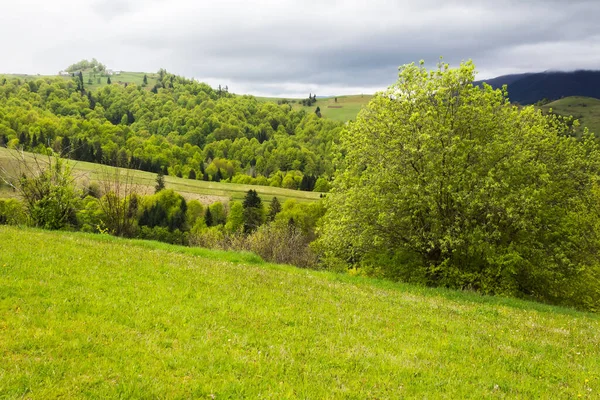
pixel 180 127
pixel 531 88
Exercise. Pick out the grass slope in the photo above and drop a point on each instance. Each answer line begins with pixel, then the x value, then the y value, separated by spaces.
pixel 345 109
pixel 122 78
pixel 585 109
pixel 100 317
pixel 206 192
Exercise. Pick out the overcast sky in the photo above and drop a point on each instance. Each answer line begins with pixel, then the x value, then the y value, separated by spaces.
pixel 289 47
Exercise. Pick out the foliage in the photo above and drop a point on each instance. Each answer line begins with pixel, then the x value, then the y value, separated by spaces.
pixel 47 189
pixel 11 212
pixel 467 191
pixel 274 209
pixel 160 182
pixel 235 217
pixel 120 202
pixel 85 64
pixel 254 215
pixel 283 244
pixel 180 127
pixel 166 209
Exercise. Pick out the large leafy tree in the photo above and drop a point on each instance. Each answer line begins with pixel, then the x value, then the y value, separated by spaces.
pixel 449 184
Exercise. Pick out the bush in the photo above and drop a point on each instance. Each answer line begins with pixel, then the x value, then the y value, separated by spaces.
pixel 12 212
pixel 284 244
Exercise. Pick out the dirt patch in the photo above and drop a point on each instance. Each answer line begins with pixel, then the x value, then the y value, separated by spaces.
pixel 205 199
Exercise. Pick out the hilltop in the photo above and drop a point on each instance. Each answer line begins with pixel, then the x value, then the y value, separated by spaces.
pixel 96 316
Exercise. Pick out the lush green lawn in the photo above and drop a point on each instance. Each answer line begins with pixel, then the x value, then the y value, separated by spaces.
pixel 99 317
pixel 191 189
pixel 586 109
pixel 345 109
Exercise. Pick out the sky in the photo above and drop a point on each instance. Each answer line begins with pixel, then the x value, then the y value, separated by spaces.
pixel 293 47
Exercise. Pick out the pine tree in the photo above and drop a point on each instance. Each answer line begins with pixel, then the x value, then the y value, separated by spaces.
pixel 274 209
pixel 208 219
pixel 160 182
pixel 108 81
pixel 192 174
pixel 145 80
pixel 253 211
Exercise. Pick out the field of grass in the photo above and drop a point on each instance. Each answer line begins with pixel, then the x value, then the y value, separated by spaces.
pixel 100 317
pixel 206 192
pixel 123 77
pixel 345 109
pixel 585 109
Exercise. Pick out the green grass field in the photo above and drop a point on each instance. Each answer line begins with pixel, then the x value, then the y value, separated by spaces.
pixel 345 109
pixel 124 77
pixel 93 316
pixel 206 192
pixel 585 109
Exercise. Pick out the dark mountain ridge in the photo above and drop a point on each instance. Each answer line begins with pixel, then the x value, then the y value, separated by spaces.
pixel 529 88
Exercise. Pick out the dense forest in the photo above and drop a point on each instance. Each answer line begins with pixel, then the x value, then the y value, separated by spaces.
pixel 178 127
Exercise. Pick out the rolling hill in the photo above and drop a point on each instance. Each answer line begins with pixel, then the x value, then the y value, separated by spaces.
pixel 206 192
pixel 530 88
pixel 585 109
pixel 339 108
pixel 100 317
pixel 98 81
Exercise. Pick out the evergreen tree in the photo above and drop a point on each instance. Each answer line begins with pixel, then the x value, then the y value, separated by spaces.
pixel 253 211
pixel 192 174
pixel 274 209
pixel 208 219
pixel 145 80
pixel 108 81
pixel 79 80
pixel 160 182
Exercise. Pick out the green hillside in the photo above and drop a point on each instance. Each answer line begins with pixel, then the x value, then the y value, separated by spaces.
pixel 206 192
pixel 344 109
pixel 100 317
pixel 585 109
pixel 122 78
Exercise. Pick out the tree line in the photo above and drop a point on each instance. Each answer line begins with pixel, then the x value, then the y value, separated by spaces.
pixel 180 127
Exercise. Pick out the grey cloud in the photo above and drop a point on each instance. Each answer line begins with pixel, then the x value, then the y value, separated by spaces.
pixel 272 47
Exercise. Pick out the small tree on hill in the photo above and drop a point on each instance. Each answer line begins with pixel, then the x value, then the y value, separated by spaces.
pixel 208 219
pixel 160 182
pixel 108 81
pixel 253 211
pixel 274 209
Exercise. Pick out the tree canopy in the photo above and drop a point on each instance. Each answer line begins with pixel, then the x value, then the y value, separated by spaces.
pixel 179 126
pixel 448 184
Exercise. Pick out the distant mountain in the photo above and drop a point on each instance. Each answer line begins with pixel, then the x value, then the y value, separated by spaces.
pixel 530 88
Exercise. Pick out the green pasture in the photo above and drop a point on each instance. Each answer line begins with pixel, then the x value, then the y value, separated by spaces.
pixel 93 316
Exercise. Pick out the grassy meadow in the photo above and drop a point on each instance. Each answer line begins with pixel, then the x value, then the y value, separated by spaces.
pixel 345 109
pixel 206 192
pixel 585 109
pixel 95 316
pixel 124 77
